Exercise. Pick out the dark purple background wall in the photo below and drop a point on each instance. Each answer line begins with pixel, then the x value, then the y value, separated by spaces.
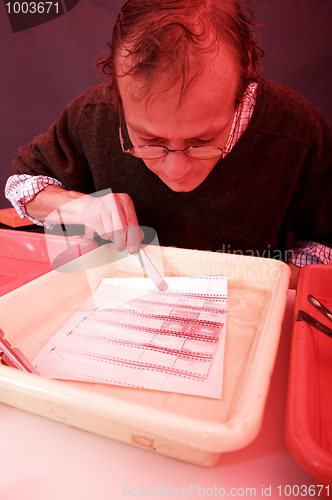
pixel 44 67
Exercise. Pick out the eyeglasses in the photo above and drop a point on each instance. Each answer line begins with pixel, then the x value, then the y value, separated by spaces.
pixel 154 152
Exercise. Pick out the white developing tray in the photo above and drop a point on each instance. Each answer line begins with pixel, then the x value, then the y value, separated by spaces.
pixel 194 429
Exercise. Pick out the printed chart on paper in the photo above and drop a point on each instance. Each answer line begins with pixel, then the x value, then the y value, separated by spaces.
pixel 131 334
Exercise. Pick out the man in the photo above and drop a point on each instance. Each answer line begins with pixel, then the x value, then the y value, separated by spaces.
pixel 189 138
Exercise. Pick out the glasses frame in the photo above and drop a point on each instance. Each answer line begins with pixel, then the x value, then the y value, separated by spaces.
pixel 165 148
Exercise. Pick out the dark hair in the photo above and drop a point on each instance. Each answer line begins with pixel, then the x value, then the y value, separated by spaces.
pixel 172 37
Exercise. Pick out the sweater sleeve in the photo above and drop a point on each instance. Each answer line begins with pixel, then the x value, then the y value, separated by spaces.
pixel 311 204
pixel 59 153
pixel 296 143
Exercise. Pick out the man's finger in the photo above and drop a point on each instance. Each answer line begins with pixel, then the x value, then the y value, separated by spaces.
pixel 120 240
pixel 133 231
pixel 134 237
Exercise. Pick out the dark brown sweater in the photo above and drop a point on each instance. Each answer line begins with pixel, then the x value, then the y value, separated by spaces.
pixel 277 178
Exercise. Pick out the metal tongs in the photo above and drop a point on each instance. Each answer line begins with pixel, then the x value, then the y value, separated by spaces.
pixel 303 316
pixel 151 271
pixel 12 356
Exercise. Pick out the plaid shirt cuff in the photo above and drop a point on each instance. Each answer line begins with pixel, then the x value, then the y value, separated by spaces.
pixel 21 188
pixel 305 252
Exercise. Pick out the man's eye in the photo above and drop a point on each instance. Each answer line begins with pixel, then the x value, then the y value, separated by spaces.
pixel 202 142
pixel 148 141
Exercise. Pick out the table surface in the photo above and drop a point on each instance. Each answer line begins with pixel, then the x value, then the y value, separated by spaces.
pixel 46 460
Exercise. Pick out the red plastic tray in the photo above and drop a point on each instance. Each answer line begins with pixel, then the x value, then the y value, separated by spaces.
pixel 308 425
pixel 10 217
pixel 25 256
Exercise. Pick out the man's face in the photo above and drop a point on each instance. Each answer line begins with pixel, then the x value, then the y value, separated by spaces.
pixel 205 117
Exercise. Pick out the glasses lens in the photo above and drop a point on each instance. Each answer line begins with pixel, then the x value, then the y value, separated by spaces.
pixel 203 153
pixel 154 152
pixel 149 152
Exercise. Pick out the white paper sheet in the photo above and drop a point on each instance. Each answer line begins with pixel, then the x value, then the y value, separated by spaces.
pixel 131 334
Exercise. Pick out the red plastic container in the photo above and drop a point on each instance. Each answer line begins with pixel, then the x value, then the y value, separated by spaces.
pixel 25 256
pixel 10 217
pixel 308 424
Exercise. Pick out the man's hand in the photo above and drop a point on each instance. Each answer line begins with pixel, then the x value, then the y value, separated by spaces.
pixel 112 216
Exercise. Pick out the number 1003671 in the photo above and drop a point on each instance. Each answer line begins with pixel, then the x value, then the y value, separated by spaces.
pixel 32 7
pixel 303 491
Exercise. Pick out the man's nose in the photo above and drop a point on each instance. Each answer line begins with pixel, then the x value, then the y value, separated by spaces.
pixel 176 164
